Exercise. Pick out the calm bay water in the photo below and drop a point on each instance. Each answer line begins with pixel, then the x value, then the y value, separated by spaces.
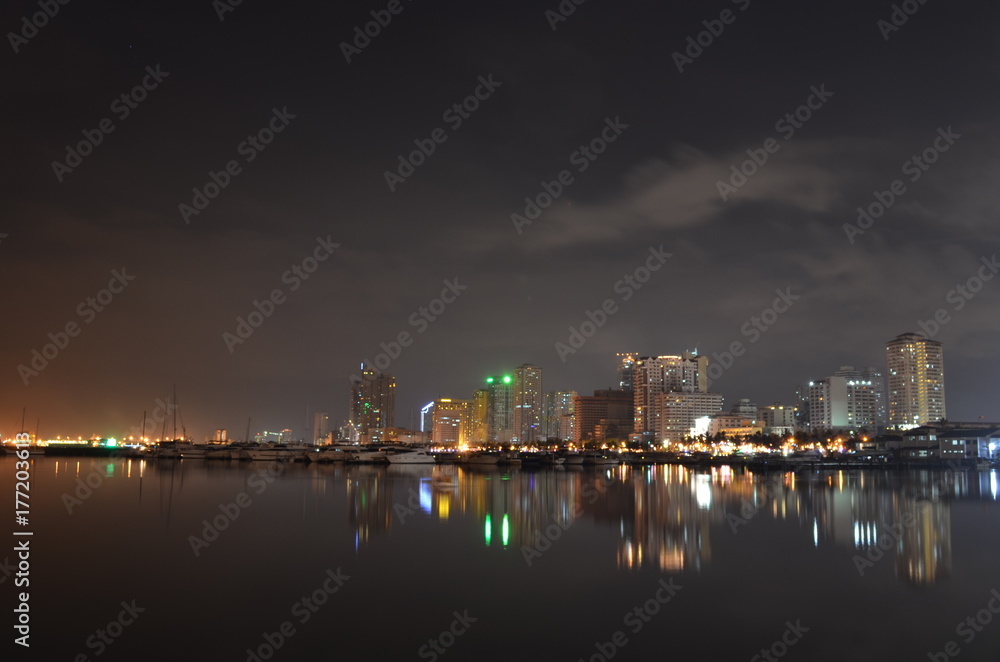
pixel 506 565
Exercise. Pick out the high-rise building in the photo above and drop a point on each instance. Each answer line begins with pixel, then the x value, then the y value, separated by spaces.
pixel 916 380
pixel 373 400
pixel 528 401
pixel 321 427
pixel 500 410
pixel 850 399
pixel 558 422
pixel 654 375
pixel 479 423
pixel 604 416
pixel 451 421
pixel 677 413
pixel 777 419
pixel 626 371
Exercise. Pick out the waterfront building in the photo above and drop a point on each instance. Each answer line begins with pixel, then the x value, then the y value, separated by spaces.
pixel 500 410
pixel 558 421
pixel 848 400
pixel 607 415
pixel 527 401
pixel 451 421
pixel 373 401
pixel 915 391
pixel 658 375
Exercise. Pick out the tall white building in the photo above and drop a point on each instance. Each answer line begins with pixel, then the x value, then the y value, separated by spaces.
pixel 656 375
pixel 558 422
pixel 916 380
pixel 528 403
pixel 677 413
pixel 850 399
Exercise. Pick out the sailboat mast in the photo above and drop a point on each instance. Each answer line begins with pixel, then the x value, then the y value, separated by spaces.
pixel 175 411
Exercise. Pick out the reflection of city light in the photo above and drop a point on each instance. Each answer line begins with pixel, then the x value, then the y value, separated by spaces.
pixel 489 529
pixel 505 529
pixel 703 492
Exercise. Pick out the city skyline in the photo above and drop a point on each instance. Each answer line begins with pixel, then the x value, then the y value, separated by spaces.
pixel 212 212
pixel 677 374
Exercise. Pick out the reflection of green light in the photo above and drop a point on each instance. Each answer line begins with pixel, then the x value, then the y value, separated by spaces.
pixel 489 529
pixel 489 380
pixel 505 529
pixel 109 470
pixel 506 379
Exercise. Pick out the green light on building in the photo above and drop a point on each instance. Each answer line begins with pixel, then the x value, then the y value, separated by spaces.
pixel 506 379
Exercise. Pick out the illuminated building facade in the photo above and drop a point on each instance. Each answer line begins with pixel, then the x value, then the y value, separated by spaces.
pixel 373 401
pixel 528 404
pixel 677 412
pixel 559 417
pixel 850 400
pixel 500 409
pixel 916 380
pixel 451 421
pixel 657 375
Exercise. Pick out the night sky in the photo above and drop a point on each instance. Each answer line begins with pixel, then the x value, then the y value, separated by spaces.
pixel 318 189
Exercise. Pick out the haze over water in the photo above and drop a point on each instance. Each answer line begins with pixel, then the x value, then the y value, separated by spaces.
pixel 548 563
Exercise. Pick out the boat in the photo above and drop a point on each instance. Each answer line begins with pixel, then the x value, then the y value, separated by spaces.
pixel 482 458
pixel 598 459
pixel 411 456
pixel 444 478
pixel 368 455
pixel 327 456
pixel 276 452
pixel 573 458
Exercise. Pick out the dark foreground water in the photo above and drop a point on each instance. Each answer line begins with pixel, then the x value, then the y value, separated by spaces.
pixel 629 563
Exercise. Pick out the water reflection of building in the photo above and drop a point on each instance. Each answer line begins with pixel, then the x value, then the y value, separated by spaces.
pixel 665 517
pixel 924 552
